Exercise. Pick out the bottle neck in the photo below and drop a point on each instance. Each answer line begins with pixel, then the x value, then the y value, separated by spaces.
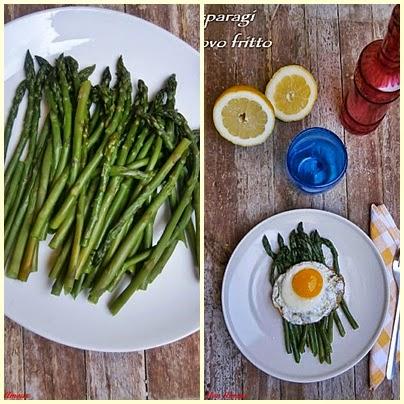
pixel 390 49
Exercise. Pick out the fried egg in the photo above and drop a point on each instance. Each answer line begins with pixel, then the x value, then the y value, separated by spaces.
pixel 307 292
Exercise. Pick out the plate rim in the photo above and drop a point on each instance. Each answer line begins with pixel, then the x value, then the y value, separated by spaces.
pixel 100 10
pixel 178 40
pixel 226 315
pixel 93 349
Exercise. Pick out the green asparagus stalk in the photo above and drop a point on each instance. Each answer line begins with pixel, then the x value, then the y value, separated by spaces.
pixel 61 259
pixel 48 206
pixel 124 172
pixel 197 204
pixel 79 122
pixel 126 247
pixel 44 176
pixel 56 132
pixel 151 186
pixel 15 182
pixel 30 82
pixel 162 244
pixel 15 104
pixel 112 241
pixel 67 114
pixel 75 191
pixel 13 270
pixel 12 234
pixel 85 73
pixel 152 267
pixel 69 278
pixel 109 158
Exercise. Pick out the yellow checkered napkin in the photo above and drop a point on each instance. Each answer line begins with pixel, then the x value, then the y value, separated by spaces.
pixel 386 237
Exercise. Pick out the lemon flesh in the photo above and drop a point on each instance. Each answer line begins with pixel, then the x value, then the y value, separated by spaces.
pixel 292 91
pixel 292 94
pixel 244 116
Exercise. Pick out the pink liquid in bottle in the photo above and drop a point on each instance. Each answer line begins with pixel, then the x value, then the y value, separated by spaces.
pixel 376 82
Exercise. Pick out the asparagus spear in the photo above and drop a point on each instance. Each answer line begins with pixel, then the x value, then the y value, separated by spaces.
pixel 152 267
pixel 196 204
pixel 15 104
pixel 44 176
pixel 57 92
pixel 13 269
pixel 126 247
pixel 56 132
pixel 111 154
pixel 116 119
pixel 76 189
pixel 72 75
pixel 82 178
pixel 15 182
pixel 13 231
pixel 85 73
pixel 67 114
pixel 29 177
pixel 46 210
pixel 30 82
pixel 79 122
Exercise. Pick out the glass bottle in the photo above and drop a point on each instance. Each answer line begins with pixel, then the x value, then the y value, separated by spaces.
pixel 376 82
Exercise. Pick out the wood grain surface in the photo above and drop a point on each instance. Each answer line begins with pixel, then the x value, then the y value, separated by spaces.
pixel 243 186
pixel 47 370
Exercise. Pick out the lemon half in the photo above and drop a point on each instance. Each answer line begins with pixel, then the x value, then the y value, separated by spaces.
pixel 292 91
pixel 244 116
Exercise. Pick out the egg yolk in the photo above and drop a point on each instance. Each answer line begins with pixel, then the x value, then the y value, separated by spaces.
pixel 307 283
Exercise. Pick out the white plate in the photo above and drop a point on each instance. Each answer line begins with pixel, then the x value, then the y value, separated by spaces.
pixel 256 326
pixel 169 309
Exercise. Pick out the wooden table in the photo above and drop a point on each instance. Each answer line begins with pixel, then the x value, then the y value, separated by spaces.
pixel 243 186
pixel 47 370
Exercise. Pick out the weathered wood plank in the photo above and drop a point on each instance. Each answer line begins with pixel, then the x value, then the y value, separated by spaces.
pixel 180 20
pixel 223 369
pixel 289 35
pixel 173 370
pixel 53 371
pixel 365 175
pixel 115 376
pixel 389 130
pixel 291 46
pixel 14 357
pixel 324 53
pixel 390 150
pixel 13 11
pixel 254 170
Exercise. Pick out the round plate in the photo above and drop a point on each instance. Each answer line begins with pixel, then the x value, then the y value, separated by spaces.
pixel 256 326
pixel 169 309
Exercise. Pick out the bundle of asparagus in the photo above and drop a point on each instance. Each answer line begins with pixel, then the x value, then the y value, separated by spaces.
pixel 95 176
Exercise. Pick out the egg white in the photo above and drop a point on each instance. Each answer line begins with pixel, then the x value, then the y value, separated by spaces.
pixel 299 310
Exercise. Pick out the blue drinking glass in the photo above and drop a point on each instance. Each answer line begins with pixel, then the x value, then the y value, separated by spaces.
pixel 316 160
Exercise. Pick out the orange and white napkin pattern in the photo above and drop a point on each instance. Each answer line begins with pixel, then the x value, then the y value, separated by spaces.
pixel 386 236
